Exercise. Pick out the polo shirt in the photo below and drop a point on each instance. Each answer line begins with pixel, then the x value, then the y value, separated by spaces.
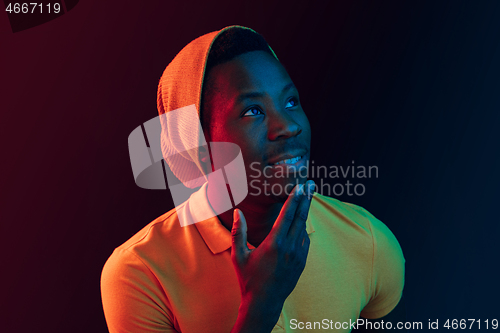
pixel 168 278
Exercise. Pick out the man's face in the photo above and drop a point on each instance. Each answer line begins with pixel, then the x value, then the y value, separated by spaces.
pixel 255 105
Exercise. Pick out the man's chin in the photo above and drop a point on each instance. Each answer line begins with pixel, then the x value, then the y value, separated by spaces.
pixel 277 191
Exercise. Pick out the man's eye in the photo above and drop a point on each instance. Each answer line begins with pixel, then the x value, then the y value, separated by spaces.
pixel 292 102
pixel 252 112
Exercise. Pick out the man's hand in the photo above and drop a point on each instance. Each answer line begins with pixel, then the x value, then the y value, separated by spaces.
pixel 269 273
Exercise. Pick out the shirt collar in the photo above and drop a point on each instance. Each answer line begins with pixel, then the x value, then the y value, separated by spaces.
pixel 215 235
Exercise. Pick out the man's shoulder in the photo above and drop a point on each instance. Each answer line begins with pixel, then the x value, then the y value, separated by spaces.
pixel 349 219
pixel 331 210
pixel 160 241
pixel 162 232
pixel 163 221
pixel 337 204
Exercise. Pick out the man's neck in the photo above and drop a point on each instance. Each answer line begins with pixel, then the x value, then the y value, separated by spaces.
pixel 260 217
pixel 260 220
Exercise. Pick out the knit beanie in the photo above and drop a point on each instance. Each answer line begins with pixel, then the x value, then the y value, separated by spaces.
pixel 179 102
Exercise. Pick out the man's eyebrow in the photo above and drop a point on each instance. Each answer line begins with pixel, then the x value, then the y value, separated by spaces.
pixel 242 97
pixel 288 87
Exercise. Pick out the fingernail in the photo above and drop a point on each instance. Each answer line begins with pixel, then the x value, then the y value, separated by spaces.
pixel 298 189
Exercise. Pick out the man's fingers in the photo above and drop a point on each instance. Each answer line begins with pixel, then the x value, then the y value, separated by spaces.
pixel 239 247
pixel 303 240
pixel 287 213
pixel 306 243
pixel 299 222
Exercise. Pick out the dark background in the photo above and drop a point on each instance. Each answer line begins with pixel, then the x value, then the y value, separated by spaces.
pixel 412 87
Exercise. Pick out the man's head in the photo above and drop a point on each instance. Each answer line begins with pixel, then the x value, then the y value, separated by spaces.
pixel 249 99
pixel 227 46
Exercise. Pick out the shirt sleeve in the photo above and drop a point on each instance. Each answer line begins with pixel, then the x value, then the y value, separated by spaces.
pixel 132 298
pixel 388 271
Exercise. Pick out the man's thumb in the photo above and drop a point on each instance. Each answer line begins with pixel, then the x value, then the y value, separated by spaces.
pixel 239 235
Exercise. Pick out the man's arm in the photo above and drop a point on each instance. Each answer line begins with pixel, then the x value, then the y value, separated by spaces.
pixel 397 315
pixel 131 300
pixel 269 273
pixel 387 281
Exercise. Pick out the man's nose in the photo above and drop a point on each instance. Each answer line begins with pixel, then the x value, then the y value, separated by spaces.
pixel 282 125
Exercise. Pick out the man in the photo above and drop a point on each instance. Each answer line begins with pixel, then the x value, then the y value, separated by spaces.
pixel 292 261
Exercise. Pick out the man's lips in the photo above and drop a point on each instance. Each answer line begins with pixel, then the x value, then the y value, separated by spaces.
pixel 288 158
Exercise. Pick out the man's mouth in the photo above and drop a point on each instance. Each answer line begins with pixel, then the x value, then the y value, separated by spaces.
pixel 289 161
pixel 292 158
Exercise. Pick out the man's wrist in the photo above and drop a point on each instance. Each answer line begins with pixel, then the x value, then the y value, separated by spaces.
pixel 257 315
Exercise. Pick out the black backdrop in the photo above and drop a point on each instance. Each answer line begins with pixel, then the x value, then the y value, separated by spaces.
pixel 409 86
